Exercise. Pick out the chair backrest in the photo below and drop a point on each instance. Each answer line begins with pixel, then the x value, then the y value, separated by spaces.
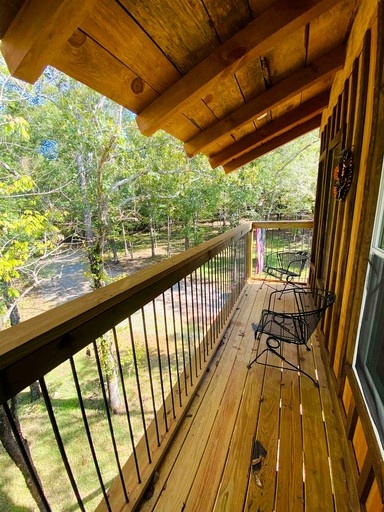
pixel 293 261
pixel 298 325
pixel 311 305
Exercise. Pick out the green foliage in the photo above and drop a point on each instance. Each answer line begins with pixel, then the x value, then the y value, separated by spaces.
pixel 74 163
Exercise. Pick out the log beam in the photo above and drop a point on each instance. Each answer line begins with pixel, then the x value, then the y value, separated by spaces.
pixel 288 121
pixel 39 29
pixel 321 70
pixel 269 146
pixel 259 36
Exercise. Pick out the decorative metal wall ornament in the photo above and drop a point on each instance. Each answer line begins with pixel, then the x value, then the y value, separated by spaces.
pixel 343 175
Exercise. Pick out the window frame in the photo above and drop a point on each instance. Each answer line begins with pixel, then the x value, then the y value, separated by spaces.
pixel 364 378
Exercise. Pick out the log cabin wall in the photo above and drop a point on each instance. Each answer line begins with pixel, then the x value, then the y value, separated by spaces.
pixel 354 120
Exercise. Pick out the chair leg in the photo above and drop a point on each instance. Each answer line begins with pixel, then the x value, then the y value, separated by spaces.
pixel 282 358
pixel 249 365
pixel 293 366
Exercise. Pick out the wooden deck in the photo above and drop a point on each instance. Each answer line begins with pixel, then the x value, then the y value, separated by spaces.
pixel 301 467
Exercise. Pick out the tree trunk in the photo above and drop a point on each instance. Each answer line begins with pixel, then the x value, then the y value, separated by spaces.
pixel 109 365
pixel 125 241
pixel 114 251
pixel 169 236
pixel 152 235
pixel 12 448
pixel 195 219
pixel 35 391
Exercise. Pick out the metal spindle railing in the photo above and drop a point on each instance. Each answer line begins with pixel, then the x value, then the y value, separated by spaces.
pixel 150 347
pixel 271 237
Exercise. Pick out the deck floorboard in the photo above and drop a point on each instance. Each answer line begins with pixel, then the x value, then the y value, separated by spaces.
pixel 209 465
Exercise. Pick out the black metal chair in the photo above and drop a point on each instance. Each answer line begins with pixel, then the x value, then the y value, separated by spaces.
pixel 285 265
pixel 291 327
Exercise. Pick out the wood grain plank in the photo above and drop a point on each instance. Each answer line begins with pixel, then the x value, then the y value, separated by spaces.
pixel 228 17
pixel 316 73
pixel 261 492
pixel 182 29
pixel 84 60
pixel 235 476
pixel 207 480
pixel 152 67
pixel 330 29
pixel 288 56
pixel 317 485
pixel 245 46
pixel 290 487
pixel 37 32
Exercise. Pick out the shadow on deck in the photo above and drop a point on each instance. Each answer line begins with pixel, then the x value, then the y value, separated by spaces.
pixel 260 439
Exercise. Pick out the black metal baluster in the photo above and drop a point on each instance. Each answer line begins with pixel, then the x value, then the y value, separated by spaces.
pixel 59 442
pixel 182 340
pixel 160 367
pixel 176 351
pixel 139 389
pixel 211 327
pixel 188 331
pixel 88 432
pixel 226 282
pixel 168 357
pixel 217 293
pixel 150 376
pixel 126 405
pixel 31 468
pixel 111 431
pixel 193 321
pixel 205 311
pixel 198 307
pixel 214 298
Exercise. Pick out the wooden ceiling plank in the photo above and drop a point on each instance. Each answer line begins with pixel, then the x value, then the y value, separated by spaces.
pixel 84 60
pixel 228 17
pixel 301 114
pixel 39 29
pixel 152 66
pixel 272 144
pixel 318 71
pixel 182 29
pixel 255 39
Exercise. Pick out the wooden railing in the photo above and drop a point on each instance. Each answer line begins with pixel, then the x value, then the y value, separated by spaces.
pixel 270 237
pixel 147 339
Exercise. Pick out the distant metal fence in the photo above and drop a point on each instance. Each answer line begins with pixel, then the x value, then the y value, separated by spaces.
pixel 271 237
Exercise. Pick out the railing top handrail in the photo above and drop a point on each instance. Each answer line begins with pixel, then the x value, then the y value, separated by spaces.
pixel 59 333
pixel 282 224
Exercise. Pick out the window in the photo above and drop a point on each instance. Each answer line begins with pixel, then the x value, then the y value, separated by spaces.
pixel 370 349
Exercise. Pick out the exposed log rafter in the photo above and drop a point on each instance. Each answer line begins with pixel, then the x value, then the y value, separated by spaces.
pixel 275 143
pixel 321 70
pixel 28 47
pixel 288 121
pixel 258 37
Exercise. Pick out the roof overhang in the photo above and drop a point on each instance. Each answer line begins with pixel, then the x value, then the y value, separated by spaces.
pixel 233 79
